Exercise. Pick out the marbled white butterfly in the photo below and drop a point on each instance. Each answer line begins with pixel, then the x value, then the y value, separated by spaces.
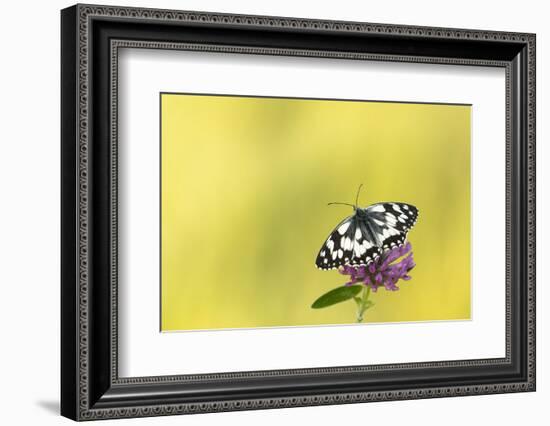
pixel 367 234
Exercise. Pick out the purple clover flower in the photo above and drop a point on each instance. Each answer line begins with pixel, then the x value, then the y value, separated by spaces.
pixel 382 272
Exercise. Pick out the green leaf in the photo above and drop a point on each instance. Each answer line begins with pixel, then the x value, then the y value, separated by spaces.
pixel 340 294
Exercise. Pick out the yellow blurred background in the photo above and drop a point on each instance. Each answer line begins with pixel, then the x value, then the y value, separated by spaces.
pixel 245 187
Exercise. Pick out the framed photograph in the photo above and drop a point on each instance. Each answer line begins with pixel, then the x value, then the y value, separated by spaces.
pixel 263 212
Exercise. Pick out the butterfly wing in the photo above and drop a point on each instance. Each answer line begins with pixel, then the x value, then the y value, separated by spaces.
pixel 365 247
pixel 363 237
pixel 349 243
pixel 338 249
pixel 389 223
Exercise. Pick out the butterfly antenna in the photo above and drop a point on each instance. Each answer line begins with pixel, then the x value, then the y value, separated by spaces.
pixel 343 204
pixel 357 196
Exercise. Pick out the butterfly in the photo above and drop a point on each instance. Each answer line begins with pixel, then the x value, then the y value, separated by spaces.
pixel 367 234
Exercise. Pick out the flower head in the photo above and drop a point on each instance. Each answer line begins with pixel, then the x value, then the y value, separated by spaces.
pixel 382 271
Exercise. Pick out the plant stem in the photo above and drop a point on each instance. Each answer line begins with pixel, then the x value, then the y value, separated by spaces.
pixel 363 306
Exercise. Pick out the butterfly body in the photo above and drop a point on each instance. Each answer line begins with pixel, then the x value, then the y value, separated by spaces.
pixel 367 234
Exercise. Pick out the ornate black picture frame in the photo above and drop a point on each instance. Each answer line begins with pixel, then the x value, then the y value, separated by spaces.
pixel 90 38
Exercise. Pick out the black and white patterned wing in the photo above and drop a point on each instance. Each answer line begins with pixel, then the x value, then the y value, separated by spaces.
pixel 348 244
pixel 338 248
pixel 365 249
pixel 390 222
pixel 363 237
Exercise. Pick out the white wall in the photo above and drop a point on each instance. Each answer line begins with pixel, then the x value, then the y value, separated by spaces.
pixel 29 210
